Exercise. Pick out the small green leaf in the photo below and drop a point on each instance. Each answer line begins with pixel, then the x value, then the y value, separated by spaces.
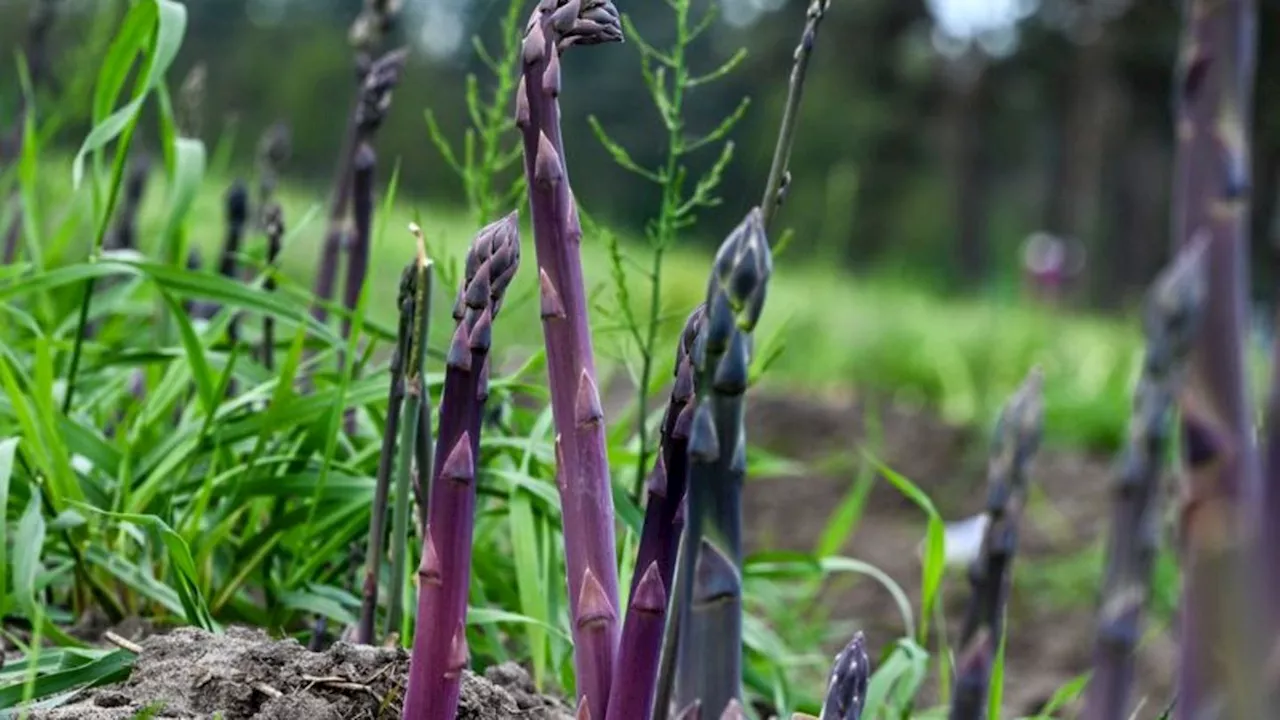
pixel 26 564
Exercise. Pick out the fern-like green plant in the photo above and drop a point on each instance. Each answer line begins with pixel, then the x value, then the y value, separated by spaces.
pixel 490 149
pixel 668 78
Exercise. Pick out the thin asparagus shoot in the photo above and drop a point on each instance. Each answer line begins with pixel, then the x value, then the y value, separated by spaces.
pixel 407 305
pixel 273 224
pixel 237 212
pixel 413 381
pixel 362 189
pixel 775 188
pixel 1173 314
pixel 1015 442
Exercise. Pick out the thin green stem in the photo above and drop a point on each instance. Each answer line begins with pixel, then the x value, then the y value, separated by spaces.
pixel 113 196
pixel 663 236
pixel 408 440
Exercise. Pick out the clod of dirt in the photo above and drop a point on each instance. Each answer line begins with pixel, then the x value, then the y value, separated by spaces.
pixel 245 675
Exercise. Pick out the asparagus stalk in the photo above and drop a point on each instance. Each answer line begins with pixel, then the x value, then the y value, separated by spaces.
pixel 847 685
pixel 1172 322
pixel 705 626
pixel 358 263
pixel 779 174
pixel 273 222
pixel 372 102
pixel 635 674
pixel 274 148
pixel 413 381
pixel 583 465
pixel 439 641
pixel 237 210
pixel 407 305
pixel 1224 501
pixel 1016 440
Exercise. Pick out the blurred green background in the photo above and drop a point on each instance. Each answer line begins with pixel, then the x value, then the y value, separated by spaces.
pixel 937 135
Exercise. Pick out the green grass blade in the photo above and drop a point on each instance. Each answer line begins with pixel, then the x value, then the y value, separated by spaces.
pixel 7 449
pixel 30 537
pixel 111 667
pixel 933 562
pixel 170 25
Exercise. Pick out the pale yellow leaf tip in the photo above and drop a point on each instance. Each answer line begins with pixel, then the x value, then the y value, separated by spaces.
pixel 421 241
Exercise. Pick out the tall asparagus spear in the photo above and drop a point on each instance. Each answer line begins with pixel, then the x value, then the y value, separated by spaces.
pixel 1017 437
pixel 1219 653
pixel 582 463
pixel 366 165
pixel 439 643
pixel 373 101
pixel 1172 321
pixel 708 583
pixel 407 305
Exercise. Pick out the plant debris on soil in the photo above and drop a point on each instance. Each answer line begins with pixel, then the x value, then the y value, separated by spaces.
pixel 246 675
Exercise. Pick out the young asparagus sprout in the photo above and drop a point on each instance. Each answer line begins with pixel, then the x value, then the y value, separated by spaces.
pixel 1173 314
pixel 847 685
pixel 1016 440
pixel 635 673
pixel 704 628
pixel 414 395
pixel 583 465
pixel 439 640
pixel 407 305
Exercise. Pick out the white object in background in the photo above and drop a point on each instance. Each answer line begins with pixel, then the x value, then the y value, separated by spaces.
pixel 962 540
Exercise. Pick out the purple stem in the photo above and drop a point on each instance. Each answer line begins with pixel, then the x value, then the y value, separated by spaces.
pixel 366 165
pixel 1224 502
pixel 582 461
pixel 659 537
pixel 439 641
